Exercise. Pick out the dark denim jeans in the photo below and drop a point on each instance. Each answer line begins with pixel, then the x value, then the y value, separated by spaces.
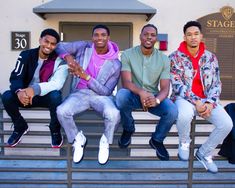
pixel 230 109
pixel 51 101
pixel 127 101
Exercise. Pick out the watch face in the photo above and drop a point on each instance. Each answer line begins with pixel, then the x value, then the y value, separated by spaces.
pixel 157 101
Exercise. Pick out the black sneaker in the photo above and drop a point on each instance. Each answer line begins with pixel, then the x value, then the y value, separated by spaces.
pixel 16 137
pixel 160 149
pixel 56 140
pixel 125 139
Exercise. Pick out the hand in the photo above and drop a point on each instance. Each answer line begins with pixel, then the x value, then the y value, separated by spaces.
pixel 77 70
pixel 144 95
pixel 150 101
pixel 23 98
pixel 74 68
pixel 203 109
pixel 30 93
pixel 73 65
pixel 207 112
pixel 199 106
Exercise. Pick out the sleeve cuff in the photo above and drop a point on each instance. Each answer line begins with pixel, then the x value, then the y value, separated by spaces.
pixel 36 89
pixel 63 55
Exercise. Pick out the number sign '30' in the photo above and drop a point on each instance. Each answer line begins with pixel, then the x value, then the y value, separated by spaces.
pixel 20 40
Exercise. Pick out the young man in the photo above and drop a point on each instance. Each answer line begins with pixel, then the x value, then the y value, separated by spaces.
pixel 96 71
pixel 196 89
pixel 38 76
pixel 144 68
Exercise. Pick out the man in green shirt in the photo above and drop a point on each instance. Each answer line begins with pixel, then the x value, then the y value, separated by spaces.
pixel 144 69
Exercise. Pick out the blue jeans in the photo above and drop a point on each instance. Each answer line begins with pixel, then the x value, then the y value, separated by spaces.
pixel 51 100
pixel 127 101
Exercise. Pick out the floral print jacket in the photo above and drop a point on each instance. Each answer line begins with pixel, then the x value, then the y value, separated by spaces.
pixel 182 77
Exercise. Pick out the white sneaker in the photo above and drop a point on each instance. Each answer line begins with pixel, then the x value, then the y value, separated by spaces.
pixel 183 151
pixel 207 162
pixel 78 146
pixel 103 155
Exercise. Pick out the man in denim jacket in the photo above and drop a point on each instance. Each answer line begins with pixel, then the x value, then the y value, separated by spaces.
pixel 96 71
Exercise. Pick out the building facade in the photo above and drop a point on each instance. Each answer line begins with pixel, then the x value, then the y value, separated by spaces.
pixel 21 27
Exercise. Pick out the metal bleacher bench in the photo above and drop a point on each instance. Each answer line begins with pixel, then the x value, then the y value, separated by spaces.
pixel 33 163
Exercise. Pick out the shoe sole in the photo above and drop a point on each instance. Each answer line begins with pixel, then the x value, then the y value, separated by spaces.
pixel 201 161
pixel 13 145
pixel 123 146
pixel 59 144
pixel 84 146
pixel 163 158
pixel 103 163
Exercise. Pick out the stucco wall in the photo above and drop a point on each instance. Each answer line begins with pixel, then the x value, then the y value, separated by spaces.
pixel 171 16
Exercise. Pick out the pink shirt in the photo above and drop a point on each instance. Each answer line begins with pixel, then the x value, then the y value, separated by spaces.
pixel 95 64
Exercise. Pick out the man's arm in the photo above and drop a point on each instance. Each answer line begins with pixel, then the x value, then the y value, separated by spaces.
pixel 128 84
pixel 163 93
pixel 106 85
pixel 70 48
pixel 164 89
pixel 179 86
pixel 215 86
pixel 17 78
pixel 18 74
pixel 56 81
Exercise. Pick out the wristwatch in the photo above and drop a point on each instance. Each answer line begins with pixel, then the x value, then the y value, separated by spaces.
pixel 157 100
pixel 88 77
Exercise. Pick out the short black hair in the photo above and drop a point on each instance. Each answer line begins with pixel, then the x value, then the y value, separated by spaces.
pixel 192 23
pixel 102 27
pixel 50 32
pixel 149 25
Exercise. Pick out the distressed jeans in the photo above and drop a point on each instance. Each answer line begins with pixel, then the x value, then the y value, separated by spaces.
pixel 219 118
pixel 127 101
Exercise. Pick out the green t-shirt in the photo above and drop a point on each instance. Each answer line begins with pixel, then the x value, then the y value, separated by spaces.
pixel 146 71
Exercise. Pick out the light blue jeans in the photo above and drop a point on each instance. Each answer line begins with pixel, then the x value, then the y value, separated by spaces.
pixel 219 118
pixel 82 100
pixel 127 101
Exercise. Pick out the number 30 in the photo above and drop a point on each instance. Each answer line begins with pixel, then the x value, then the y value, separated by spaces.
pixel 20 43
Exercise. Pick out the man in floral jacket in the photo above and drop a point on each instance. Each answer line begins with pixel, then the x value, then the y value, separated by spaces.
pixel 196 88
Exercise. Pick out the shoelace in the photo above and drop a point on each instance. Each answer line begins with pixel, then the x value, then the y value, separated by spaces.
pixel 209 159
pixel 185 146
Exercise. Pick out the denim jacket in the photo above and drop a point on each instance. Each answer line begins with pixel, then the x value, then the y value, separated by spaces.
pixel 108 75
